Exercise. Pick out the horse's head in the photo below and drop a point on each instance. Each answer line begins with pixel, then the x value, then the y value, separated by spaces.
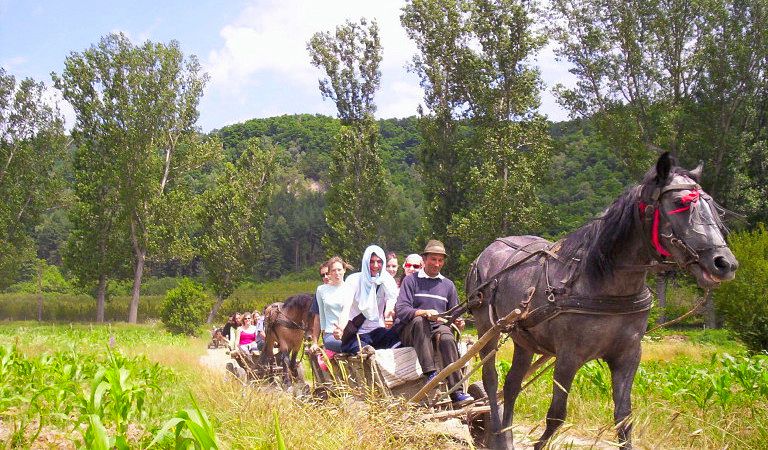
pixel 685 224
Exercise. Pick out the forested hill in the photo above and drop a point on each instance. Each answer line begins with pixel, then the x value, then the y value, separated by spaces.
pixel 308 139
pixel 584 177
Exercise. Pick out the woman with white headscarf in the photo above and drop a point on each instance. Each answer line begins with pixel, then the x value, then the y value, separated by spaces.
pixel 371 311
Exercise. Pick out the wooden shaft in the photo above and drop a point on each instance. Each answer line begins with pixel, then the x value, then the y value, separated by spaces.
pixel 456 365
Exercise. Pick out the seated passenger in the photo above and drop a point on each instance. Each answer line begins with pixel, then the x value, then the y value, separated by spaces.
pixel 228 331
pixel 423 296
pixel 258 319
pixel 392 267
pixel 246 335
pixel 372 310
pixel 330 299
pixel 413 263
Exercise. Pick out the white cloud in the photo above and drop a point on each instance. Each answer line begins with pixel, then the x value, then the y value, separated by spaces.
pixel 12 65
pixel 262 67
pixel 269 38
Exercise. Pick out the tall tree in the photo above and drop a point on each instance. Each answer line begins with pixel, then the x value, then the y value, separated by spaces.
pixel 511 142
pixel 474 67
pixel 32 140
pixel 358 196
pixel 438 28
pixel 682 76
pixel 140 104
pixel 232 214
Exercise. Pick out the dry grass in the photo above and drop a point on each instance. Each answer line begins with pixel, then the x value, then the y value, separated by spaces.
pixel 246 420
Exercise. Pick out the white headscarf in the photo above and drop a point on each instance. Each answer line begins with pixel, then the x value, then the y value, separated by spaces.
pixel 367 302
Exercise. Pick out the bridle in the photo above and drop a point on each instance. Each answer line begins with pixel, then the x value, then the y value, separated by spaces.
pixel 651 214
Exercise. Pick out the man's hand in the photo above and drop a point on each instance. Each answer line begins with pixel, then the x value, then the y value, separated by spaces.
pixel 314 348
pixel 430 314
pixel 389 319
pixel 337 332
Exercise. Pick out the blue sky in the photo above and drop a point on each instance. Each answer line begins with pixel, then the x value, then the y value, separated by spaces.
pixel 254 50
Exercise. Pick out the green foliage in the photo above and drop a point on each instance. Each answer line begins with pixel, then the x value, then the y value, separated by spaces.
pixel 110 400
pixel 52 281
pixel 186 307
pixel 136 108
pixel 75 308
pixel 192 429
pixel 743 302
pixel 32 142
pixel 232 214
pixel 680 76
pixel 350 59
pixel 359 195
pixel 358 200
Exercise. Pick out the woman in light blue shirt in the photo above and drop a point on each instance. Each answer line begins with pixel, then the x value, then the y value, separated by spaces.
pixel 331 298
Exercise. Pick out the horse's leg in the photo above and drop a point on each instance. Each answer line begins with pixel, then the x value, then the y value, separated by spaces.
pixel 491 383
pixel 521 361
pixel 565 370
pixel 623 371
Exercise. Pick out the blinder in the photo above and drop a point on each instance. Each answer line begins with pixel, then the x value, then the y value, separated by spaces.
pixel 696 203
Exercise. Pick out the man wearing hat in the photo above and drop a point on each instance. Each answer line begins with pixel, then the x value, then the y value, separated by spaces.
pixel 423 296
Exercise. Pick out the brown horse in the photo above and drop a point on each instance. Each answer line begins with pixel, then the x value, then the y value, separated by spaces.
pixel 585 297
pixel 286 325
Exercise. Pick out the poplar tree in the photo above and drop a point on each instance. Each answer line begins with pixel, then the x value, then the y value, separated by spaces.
pixel 32 141
pixel 136 108
pixel 474 61
pixel 358 196
pixel 231 216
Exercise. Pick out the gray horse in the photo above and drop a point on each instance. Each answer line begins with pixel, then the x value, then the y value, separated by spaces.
pixel 585 297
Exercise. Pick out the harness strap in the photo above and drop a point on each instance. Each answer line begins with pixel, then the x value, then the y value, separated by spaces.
pixel 618 305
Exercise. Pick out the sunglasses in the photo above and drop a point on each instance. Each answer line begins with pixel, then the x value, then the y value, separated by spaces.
pixel 409 265
pixel 247 318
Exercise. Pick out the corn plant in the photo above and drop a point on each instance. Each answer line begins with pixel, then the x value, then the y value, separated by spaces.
pixel 192 429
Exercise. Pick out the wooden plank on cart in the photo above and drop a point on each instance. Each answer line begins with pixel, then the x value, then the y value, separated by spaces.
pixel 475 349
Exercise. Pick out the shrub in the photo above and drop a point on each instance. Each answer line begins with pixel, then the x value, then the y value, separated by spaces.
pixel 186 307
pixel 743 302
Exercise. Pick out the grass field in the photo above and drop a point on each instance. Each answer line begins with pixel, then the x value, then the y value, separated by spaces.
pixel 75 386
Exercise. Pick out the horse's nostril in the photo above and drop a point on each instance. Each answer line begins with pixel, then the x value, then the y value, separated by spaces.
pixel 722 264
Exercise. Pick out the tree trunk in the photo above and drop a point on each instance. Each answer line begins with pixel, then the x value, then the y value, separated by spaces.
pixel 661 294
pixel 710 315
pixel 296 255
pixel 133 312
pixel 101 295
pixel 39 291
pixel 215 309
pixel 140 254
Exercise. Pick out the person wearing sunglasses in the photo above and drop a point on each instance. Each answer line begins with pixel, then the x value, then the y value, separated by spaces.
pixel 247 334
pixel 413 263
pixel 423 297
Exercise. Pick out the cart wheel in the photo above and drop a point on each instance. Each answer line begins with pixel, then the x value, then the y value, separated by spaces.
pixel 479 424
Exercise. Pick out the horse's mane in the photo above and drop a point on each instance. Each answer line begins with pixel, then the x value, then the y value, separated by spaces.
pixel 300 303
pixel 595 244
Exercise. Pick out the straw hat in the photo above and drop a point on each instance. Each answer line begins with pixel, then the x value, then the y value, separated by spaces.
pixel 434 246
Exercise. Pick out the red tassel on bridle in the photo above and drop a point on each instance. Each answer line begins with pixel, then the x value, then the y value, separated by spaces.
pixel 689 198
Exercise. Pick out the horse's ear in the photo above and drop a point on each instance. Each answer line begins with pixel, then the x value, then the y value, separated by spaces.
pixel 663 167
pixel 696 173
